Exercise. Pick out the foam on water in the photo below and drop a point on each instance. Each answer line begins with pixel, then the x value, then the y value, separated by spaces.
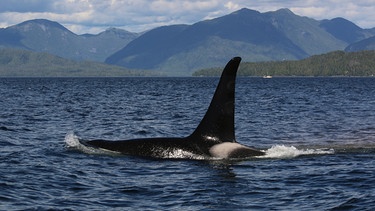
pixel 72 142
pixel 282 151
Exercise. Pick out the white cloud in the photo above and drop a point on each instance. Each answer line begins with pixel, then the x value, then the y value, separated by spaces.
pixel 93 16
pixel 232 6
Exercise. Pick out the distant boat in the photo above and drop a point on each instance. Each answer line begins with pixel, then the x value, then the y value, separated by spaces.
pixel 267 76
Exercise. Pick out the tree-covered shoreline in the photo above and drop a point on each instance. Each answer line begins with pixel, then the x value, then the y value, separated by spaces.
pixel 23 63
pixel 337 63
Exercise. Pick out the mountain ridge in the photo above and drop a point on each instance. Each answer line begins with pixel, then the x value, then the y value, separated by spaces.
pixel 41 35
pixel 277 35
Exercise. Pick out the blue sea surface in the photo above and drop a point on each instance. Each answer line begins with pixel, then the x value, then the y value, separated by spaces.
pixel 319 134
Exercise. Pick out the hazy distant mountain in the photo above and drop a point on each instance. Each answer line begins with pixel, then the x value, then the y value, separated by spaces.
pixel 366 44
pixel 279 35
pixel 344 30
pixel 42 35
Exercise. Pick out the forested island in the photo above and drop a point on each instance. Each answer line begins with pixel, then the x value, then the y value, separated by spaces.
pixel 24 63
pixel 337 63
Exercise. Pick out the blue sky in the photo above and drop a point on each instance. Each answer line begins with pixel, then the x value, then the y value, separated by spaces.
pixel 94 16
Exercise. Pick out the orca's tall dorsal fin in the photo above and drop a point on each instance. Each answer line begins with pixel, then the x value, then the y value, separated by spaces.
pixel 218 123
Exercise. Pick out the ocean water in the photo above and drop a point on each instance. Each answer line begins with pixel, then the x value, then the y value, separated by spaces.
pixel 318 135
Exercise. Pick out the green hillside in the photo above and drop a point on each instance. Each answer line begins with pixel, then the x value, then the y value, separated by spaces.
pixel 23 63
pixel 337 63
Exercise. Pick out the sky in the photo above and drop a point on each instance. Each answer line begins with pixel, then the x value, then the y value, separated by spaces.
pixel 94 16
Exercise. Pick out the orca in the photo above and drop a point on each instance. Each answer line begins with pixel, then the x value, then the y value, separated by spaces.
pixel 213 138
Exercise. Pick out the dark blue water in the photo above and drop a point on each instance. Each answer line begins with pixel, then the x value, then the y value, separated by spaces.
pixel 319 134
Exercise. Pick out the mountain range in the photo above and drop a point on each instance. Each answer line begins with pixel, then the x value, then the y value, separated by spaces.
pixel 270 36
pixel 42 35
pixel 182 49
